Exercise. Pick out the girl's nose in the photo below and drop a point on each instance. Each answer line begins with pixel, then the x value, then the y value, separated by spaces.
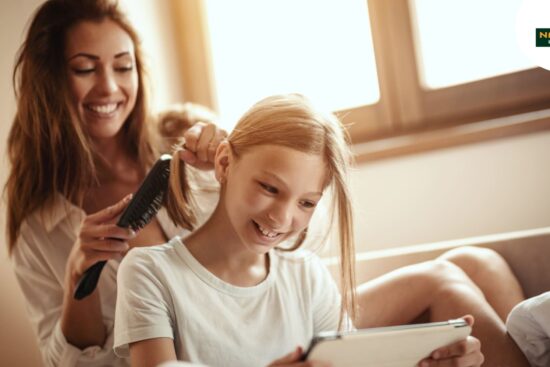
pixel 280 215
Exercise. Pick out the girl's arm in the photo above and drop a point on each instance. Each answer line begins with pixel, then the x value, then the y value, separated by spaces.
pixel 152 352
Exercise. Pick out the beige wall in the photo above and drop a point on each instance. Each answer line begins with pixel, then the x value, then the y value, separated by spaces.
pixel 472 190
pixel 466 191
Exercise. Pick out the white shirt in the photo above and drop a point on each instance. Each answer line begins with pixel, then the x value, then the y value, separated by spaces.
pixel 39 259
pixel 165 292
pixel 529 325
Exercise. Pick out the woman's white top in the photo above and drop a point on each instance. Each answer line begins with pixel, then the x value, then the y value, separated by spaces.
pixel 529 325
pixel 165 292
pixel 39 259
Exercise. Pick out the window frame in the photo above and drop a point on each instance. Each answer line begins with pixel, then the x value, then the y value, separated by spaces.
pixel 406 109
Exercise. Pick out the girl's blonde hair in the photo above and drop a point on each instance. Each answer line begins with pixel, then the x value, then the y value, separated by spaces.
pixel 49 151
pixel 292 121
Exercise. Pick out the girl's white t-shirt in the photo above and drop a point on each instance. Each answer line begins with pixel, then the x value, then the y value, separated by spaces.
pixel 164 291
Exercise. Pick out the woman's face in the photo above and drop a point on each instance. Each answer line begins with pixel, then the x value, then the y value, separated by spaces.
pixel 103 78
pixel 270 194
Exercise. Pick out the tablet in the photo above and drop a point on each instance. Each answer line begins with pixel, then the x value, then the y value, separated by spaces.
pixel 393 346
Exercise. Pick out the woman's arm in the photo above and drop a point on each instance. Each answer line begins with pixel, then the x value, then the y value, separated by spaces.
pixel 152 352
pixel 69 332
pixel 82 320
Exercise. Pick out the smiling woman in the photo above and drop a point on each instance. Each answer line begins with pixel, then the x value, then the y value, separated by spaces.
pixel 104 84
pixel 82 140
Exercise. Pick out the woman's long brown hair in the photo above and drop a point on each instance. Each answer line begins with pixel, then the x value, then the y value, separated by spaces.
pixel 48 150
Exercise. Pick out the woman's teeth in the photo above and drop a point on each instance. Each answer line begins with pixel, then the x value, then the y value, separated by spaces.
pixel 266 232
pixel 104 108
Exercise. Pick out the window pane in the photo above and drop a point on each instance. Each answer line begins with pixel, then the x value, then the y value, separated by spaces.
pixel 322 49
pixel 465 40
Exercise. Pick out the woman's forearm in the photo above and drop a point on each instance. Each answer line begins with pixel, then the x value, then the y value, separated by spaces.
pixel 82 321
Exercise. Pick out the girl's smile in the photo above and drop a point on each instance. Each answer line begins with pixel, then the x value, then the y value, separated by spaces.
pixel 270 193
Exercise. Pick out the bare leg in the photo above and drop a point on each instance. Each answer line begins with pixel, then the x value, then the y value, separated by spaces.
pixel 490 272
pixel 443 291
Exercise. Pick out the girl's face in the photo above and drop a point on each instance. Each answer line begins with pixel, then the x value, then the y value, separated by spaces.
pixel 102 74
pixel 270 193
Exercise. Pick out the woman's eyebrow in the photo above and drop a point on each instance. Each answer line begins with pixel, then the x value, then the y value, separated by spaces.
pixel 95 57
pixel 84 54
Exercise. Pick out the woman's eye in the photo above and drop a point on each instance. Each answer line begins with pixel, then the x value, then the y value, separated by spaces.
pixel 268 188
pixel 83 71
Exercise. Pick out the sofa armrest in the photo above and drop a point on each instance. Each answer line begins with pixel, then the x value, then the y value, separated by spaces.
pixel 527 252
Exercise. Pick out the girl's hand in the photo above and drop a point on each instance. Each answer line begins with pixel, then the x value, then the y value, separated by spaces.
pixel 293 360
pixel 465 353
pixel 201 141
pixel 99 239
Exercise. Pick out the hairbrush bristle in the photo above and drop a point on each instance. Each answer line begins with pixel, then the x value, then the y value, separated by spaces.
pixel 148 199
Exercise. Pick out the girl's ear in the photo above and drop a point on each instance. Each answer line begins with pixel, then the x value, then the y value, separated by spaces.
pixel 224 156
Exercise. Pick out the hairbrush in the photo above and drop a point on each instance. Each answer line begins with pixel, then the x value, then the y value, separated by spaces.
pixel 142 209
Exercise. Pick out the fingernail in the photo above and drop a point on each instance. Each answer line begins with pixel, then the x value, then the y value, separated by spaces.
pixel 436 355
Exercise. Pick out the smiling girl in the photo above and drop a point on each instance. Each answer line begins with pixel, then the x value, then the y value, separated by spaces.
pixel 233 293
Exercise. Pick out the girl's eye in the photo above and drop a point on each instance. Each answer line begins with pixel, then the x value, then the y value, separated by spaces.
pixel 308 204
pixel 268 188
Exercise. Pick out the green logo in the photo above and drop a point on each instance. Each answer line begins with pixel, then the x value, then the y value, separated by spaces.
pixel 543 37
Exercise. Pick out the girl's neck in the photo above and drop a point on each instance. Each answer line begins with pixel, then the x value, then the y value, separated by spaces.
pixel 218 248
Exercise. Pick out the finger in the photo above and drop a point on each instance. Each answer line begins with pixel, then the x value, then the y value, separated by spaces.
pixel 192 135
pixel 106 245
pixel 469 360
pixel 470 320
pixel 293 356
pixel 107 231
pixel 97 256
pixel 461 348
pixel 110 212
pixel 188 156
pixel 204 141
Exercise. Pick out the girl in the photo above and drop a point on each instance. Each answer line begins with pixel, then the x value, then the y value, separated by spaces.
pixel 81 141
pixel 232 293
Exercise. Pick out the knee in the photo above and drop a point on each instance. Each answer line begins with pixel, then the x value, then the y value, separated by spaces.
pixel 452 281
pixel 474 260
pixel 443 274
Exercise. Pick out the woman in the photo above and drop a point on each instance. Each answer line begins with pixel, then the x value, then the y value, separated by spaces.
pixel 81 141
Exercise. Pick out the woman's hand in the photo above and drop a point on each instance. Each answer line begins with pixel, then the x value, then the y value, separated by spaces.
pixel 201 141
pixel 293 360
pixel 99 239
pixel 465 353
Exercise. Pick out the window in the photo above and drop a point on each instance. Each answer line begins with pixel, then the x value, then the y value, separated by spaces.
pixel 423 87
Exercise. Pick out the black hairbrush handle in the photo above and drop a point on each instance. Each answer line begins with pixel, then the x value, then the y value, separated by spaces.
pixel 88 281
pixel 140 211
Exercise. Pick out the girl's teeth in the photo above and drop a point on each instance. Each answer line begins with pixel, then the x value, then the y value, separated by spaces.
pixel 106 108
pixel 266 233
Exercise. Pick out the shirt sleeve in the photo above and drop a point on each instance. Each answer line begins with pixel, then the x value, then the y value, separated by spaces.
pixel 142 309
pixel 35 271
pixel 529 325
